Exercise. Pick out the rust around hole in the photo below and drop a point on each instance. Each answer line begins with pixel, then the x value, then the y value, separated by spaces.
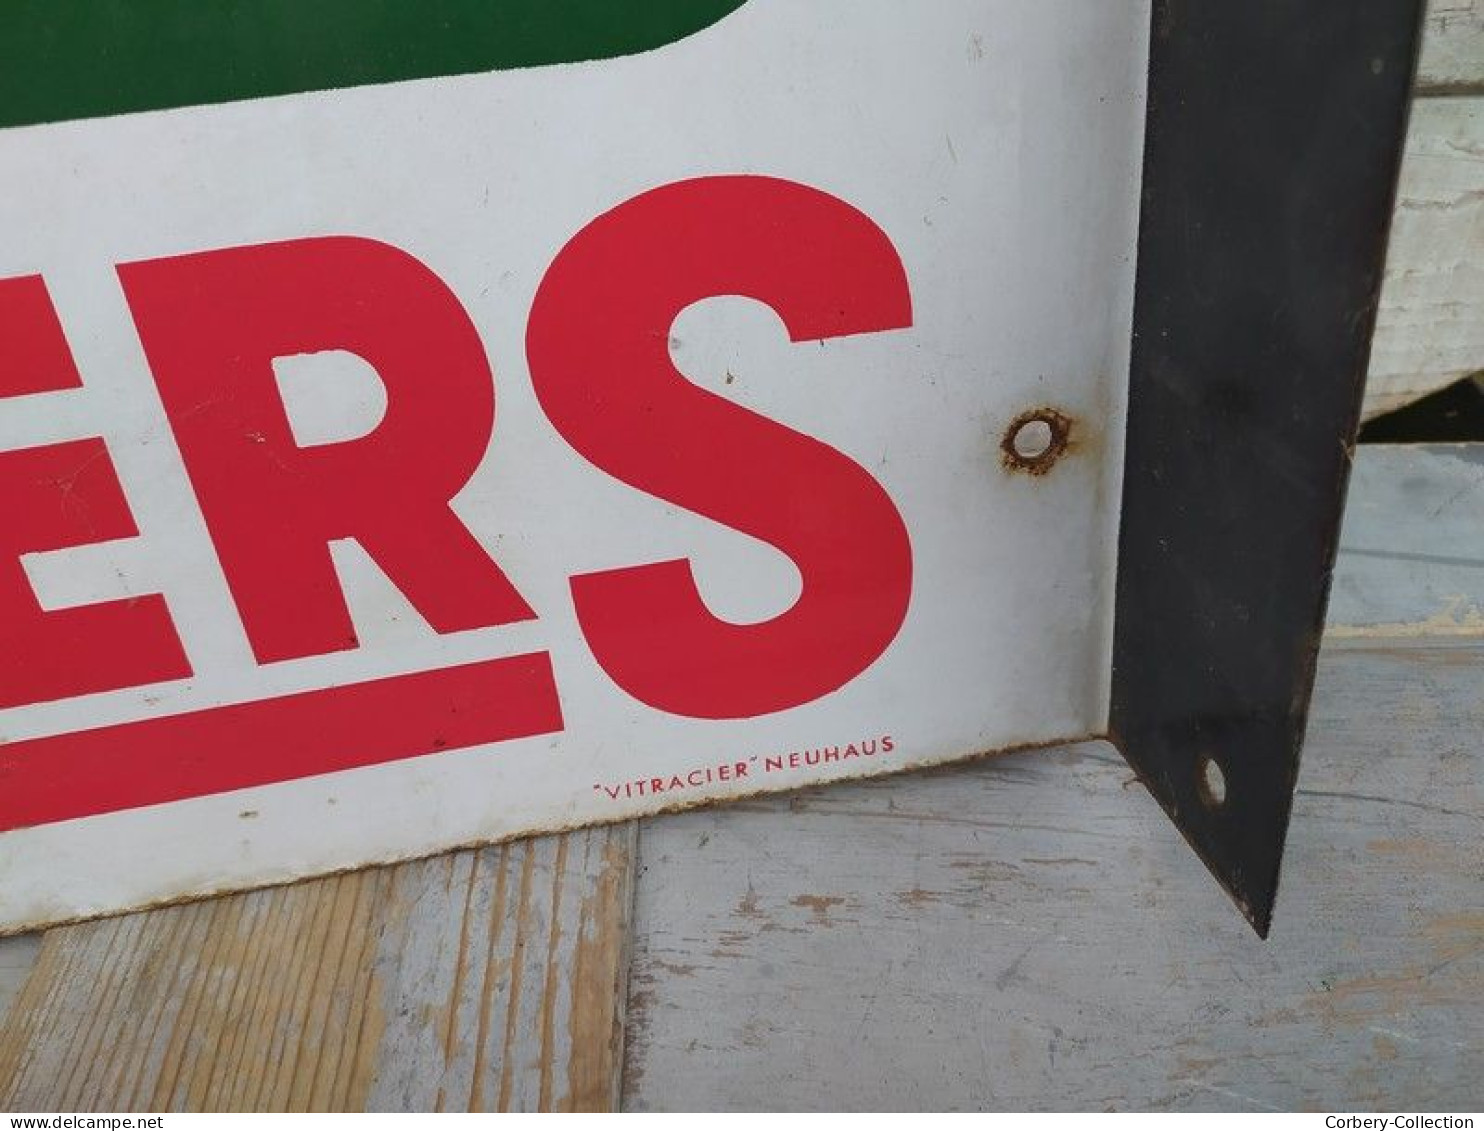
pixel 1035 440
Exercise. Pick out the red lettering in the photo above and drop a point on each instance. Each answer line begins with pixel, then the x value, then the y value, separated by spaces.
pixel 597 344
pixel 157 760
pixel 52 498
pixel 213 322
pixel 56 497
pixel 34 355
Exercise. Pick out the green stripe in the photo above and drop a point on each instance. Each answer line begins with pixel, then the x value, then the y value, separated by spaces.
pixel 62 59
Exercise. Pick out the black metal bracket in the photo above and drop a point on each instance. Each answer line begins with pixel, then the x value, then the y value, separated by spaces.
pixel 1273 143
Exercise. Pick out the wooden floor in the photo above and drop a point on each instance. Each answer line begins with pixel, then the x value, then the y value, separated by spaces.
pixel 1025 932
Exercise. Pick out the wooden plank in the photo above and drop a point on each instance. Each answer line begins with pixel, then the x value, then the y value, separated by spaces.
pixel 1431 327
pixel 1031 932
pixel 17 956
pixel 1430 330
pixel 487 979
pixel 1412 555
pixel 1452 58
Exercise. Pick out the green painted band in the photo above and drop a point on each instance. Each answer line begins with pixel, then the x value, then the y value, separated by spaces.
pixel 64 59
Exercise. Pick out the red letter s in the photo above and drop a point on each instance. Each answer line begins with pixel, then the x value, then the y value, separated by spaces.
pixel 597 343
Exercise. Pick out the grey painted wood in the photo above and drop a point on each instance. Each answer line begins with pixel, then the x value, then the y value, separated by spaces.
pixel 1430 329
pixel 1452 47
pixel 1412 549
pixel 1030 931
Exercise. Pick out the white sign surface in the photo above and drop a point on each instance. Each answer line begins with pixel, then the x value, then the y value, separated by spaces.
pixel 425 464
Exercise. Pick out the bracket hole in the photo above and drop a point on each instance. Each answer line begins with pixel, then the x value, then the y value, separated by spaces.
pixel 1032 439
pixel 1035 440
pixel 1212 783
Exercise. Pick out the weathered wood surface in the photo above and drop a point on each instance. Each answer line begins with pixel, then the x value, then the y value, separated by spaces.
pixel 1031 932
pixel 17 956
pixel 482 980
pixel 1412 551
pixel 1430 332
pixel 1430 329
pixel 1452 60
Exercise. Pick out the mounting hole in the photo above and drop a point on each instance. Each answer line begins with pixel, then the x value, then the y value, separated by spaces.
pixel 1212 783
pixel 1035 440
pixel 1032 439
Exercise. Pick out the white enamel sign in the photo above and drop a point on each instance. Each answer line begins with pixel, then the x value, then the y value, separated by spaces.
pixel 423 464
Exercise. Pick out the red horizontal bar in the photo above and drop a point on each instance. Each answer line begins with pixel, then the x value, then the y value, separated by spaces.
pixel 152 761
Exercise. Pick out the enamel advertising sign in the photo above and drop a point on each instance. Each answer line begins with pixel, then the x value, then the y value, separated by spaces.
pixel 516 416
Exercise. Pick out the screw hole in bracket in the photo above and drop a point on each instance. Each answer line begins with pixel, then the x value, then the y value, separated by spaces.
pixel 1035 440
pixel 1211 783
